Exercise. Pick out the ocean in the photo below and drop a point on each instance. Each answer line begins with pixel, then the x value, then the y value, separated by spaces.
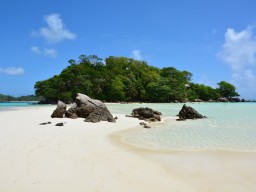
pixel 228 127
pixel 4 106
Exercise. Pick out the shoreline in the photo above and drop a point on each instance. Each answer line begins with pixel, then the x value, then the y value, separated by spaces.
pixel 85 157
pixel 202 170
pixel 77 157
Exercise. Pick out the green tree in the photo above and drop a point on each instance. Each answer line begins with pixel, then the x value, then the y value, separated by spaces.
pixel 227 90
pixel 123 79
pixel 117 90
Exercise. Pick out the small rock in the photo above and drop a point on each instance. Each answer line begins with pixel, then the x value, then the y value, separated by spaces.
pixel 143 123
pixel 147 126
pixel 60 124
pixel 45 123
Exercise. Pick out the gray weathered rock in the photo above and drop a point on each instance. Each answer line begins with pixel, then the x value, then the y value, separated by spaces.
pixel 146 114
pixel 60 110
pixel 189 113
pixel 91 109
pixel 223 99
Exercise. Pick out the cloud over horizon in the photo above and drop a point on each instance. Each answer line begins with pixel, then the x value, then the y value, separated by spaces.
pixel 55 31
pixel 239 53
pixel 12 71
pixel 136 54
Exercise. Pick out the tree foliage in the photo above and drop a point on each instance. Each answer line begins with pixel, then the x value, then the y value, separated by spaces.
pixel 227 90
pixel 121 79
pixel 7 98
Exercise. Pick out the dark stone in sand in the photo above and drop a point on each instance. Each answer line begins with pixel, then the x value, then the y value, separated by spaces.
pixel 59 124
pixel 189 113
pixel 45 123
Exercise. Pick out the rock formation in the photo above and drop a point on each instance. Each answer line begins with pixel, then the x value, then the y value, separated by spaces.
pixel 91 109
pixel 189 113
pixel 60 110
pixel 146 114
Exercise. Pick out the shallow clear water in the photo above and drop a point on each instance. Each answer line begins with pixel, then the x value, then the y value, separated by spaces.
pixel 228 126
pixel 10 105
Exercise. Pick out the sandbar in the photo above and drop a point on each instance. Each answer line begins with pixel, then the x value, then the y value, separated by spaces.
pixel 83 156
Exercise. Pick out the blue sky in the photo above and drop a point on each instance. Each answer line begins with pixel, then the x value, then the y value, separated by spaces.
pixel 215 40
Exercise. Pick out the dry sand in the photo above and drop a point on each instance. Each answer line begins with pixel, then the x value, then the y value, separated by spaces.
pixel 84 157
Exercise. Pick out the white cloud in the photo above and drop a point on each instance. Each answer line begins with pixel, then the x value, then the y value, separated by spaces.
pixel 136 54
pixel 239 49
pixel 55 31
pixel 12 71
pixel 46 52
pixel 50 52
pixel 239 52
pixel 35 49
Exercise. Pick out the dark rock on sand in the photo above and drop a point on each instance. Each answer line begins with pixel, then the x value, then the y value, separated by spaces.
pixel 146 114
pixel 60 124
pixel 189 113
pixel 142 123
pixel 60 110
pixel 45 123
pixel 91 109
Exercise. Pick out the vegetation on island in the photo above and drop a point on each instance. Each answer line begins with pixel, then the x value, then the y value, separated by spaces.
pixel 125 79
pixel 7 98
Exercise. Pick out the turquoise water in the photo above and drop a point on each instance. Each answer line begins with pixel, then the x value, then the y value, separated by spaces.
pixel 11 105
pixel 229 127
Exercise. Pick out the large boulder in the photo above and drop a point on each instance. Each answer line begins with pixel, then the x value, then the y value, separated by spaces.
pixel 189 113
pixel 91 109
pixel 60 110
pixel 146 114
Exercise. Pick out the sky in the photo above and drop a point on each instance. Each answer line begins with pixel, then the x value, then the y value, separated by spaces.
pixel 215 40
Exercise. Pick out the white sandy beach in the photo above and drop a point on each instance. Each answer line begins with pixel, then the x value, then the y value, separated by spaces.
pixel 84 156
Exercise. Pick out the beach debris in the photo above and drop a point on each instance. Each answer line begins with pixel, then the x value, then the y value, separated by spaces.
pixel 189 113
pixel 116 118
pixel 60 110
pixel 91 109
pixel 45 123
pixel 60 124
pixel 146 114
